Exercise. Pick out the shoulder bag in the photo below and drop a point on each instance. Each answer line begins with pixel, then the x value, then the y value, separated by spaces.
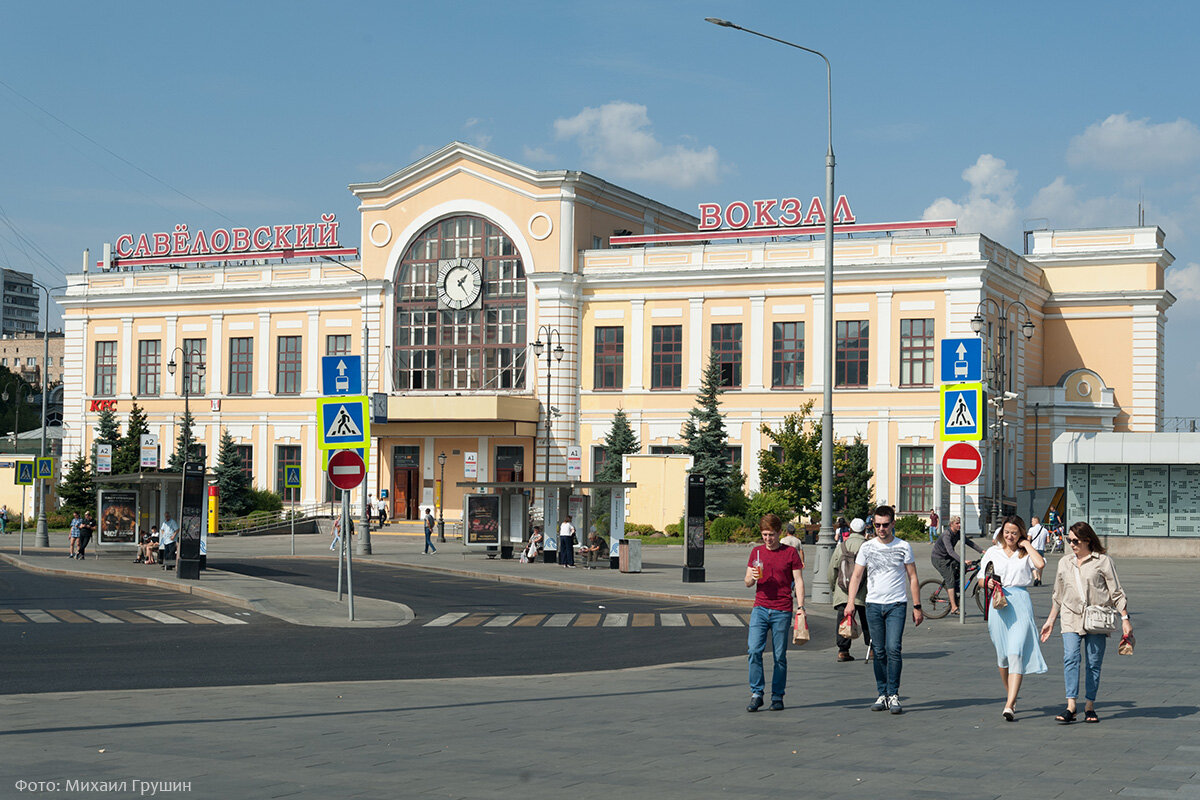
pixel 1096 619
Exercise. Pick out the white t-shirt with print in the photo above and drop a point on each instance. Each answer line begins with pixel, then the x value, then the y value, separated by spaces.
pixel 887 577
pixel 1011 570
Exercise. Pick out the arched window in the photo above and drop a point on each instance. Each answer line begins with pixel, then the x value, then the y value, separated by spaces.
pixel 478 349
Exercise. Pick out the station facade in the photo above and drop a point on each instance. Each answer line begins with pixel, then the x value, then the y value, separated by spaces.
pixel 467 259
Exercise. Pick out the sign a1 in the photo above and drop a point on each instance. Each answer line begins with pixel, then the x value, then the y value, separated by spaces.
pixel 574 461
pixel 346 469
pixel 341 375
pixel 471 466
pixel 961 463
pixel 962 360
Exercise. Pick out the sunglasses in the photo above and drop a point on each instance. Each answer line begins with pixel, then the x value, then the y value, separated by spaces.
pixel 1073 541
pixel 881 525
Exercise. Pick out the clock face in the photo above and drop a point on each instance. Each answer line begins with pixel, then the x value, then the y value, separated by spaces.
pixel 460 282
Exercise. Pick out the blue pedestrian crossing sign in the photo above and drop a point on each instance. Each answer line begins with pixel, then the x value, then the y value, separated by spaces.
pixel 23 475
pixel 291 477
pixel 962 360
pixel 343 423
pixel 962 412
pixel 45 468
pixel 341 375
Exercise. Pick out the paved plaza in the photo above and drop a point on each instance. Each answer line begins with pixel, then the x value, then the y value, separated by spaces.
pixel 676 730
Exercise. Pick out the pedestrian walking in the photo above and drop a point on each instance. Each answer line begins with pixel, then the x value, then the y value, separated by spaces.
pixel 1038 534
pixel 934 521
pixel 383 512
pixel 1012 627
pixel 566 544
pixel 337 533
pixel 1085 579
pixel 886 563
pixel 429 548
pixel 87 527
pixel 4 519
pixel 841 568
pixel 774 569
pixel 372 509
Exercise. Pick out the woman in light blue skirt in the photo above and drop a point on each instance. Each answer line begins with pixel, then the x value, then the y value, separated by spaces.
pixel 1012 628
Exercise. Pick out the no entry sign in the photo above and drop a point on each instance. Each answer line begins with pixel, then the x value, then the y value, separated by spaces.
pixel 346 469
pixel 961 463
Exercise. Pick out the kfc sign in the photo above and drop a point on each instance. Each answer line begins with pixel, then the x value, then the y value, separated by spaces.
pixel 789 212
pixel 103 405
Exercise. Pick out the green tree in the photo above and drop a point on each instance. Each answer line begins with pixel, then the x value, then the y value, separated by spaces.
pixel 853 492
pixel 108 431
pixel 620 441
pixel 185 439
pixel 77 491
pixel 796 470
pixel 127 455
pixel 233 485
pixel 706 442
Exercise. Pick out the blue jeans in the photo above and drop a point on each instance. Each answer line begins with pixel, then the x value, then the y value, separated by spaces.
pixel 1095 645
pixel 779 623
pixel 428 541
pixel 885 621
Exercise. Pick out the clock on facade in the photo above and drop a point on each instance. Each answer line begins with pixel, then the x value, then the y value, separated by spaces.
pixel 459 282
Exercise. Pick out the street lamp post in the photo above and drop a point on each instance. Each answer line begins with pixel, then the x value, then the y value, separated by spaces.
pixel 17 422
pixel 1000 393
pixel 42 538
pixel 553 346
pixel 442 500
pixel 364 539
pixel 825 543
pixel 190 367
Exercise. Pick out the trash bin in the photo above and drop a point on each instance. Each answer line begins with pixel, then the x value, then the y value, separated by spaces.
pixel 630 555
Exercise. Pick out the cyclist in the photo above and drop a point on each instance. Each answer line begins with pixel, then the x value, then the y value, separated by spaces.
pixel 945 558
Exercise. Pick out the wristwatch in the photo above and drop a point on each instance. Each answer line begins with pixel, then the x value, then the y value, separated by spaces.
pixel 917 606
pixel 1125 617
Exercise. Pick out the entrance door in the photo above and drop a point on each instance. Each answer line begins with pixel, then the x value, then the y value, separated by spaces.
pixel 509 461
pixel 406 482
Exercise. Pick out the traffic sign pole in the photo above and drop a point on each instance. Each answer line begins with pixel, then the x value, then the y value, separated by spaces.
pixel 962 555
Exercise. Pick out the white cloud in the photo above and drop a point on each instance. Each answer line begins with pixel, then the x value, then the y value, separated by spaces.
pixel 538 156
pixel 1184 283
pixel 1121 144
pixel 1062 205
pixel 617 142
pixel 989 206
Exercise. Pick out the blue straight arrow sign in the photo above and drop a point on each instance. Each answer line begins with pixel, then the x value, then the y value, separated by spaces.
pixel 962 360
pixel 341 375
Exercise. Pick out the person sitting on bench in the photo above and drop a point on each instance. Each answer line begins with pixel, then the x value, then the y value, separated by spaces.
pixel 594 549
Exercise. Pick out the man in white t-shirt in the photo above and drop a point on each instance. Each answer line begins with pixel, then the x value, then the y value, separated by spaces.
pixel 888 564
pixel 1037 537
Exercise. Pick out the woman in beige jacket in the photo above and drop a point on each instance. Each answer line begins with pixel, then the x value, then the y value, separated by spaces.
pixel 1088 567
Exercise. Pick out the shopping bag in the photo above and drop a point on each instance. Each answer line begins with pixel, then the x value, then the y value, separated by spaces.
pixel 800 633
pixel 1125 648
pixel 848 627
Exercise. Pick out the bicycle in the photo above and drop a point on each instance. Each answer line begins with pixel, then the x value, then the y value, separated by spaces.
pixel 936 599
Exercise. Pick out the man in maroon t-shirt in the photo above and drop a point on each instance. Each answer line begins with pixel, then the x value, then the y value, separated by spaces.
pixel 774 569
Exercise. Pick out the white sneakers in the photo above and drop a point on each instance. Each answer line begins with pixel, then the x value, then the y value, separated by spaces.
pixel 881 704
pixel 888 703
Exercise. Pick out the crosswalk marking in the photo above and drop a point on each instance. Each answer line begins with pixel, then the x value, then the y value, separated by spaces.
pixel 588 620
pixel 671 620
pixel 696 620
pixel 472 620
pixel 159 616
pixel 729 620
pixel 65 615
pixel 529 620
pixel 37 615
pixel 559 620
pixel 195 619
pixel 8 615
pixel 217 616
pixel 616 621
pixel 643 620
pixel 501 621
pixel 446 619
pixel 98 616
pixel 130 617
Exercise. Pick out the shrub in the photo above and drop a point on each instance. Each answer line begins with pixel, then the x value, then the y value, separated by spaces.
pixel 264 500
pixel 637 529
pixel 55 519
pixel 770 501
pixel 677 528
pixel 911 528
pixel 722 528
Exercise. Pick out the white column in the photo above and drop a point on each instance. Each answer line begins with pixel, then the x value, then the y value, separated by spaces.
pixel 128 358
pixel 815 348
pixel 696 353
pixel 885 456
pixel 883 341
pixel 757 336
pixel 312 352
pixel 265 349
pixel 216 355
pixel 482 448
pixel 637 344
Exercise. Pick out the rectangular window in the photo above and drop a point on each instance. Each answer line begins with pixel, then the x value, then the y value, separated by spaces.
pixel 610 358
pixel 599 456
pixel 286 455
pixel 246 454
pixel 787 355
pixel 241 365
pixel 31 361
pixel 733 457
pixel 337 344
pixel 666 357
pixel 727 348
pixel 850 366
pixel 195 364
pixel 916 352
pixel 662 450
pixel 916 480
pixel 106 369
pixel 149 367
pixel 288 365
pixel 49 361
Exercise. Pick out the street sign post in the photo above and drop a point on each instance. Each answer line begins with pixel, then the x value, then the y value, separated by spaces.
pixel 45 468
pixel 343 423
pixel 962 463
pixel 291 480
pixel 962 412
pixel 346 470
pixel 341 375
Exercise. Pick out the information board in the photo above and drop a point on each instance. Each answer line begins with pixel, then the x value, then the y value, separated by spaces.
pixel 1185 501
pixel 1149 496
pixel 1077 493
pixel 482 515
pixel 1108 499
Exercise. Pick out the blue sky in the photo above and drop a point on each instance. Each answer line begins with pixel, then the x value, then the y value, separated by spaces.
pixel 132 117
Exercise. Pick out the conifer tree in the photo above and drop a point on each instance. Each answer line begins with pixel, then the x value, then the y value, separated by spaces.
pixel 233 485
pixel 185 438
pixel 77 491
pixel 706 442
pixel 127 455
pixel 619 442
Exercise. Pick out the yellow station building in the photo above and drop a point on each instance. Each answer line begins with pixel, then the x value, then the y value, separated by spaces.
pixel 468 258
